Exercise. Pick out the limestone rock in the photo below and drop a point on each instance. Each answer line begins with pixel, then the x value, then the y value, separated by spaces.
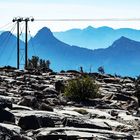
pixel 6 116
pixel 29 101
pixel 46 107
pixel 29 122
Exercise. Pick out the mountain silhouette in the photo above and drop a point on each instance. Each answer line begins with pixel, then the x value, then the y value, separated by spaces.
pixel 8 49
pixel 62 55
pixel 94 38
pixel 122 57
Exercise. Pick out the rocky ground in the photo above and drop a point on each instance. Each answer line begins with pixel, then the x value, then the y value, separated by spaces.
pixel 32 108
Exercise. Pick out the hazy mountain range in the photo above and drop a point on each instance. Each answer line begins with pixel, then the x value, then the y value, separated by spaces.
pixel 121 57
pixel 94 38
pixel 8 48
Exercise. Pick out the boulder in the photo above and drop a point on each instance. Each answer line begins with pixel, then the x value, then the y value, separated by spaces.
pixel 98 103
pixel 120 97
pixel 29 122
pixel 7 131
pixel 54 116
pixel 112 80
pixel 26 93
pixel 48 91
pixel 59 86
pixel 39 95
pixel 38 86
pixel 20 137
pixel 10 127
pixel 36 120
pixel 4 102
pixel 73 122
pixel 6 116
pixel 46 121
pixel 29 101
pixel 3 91
pixel 45 107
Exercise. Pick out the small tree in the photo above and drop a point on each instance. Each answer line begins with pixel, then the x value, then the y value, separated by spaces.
pixel 48 64
pixel 81 89
pixel 29 64
pixel 101 70
pixel 37 63
pixel 41 63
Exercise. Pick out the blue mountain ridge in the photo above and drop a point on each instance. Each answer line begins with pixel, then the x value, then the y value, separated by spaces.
pixel 122 57
pixel 8 48
pixel 94 38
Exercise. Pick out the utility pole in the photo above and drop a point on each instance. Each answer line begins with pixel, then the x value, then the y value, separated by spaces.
pixel 26 39
pixel 26 42
pixel 18 20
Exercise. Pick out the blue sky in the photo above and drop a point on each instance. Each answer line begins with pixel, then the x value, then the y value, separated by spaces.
pixel 55 9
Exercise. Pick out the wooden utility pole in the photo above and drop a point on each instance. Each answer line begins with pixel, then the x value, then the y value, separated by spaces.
pixel 26 42
pixel 18 20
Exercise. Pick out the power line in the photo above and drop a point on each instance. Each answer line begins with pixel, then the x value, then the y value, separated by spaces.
pixel 6 40
pixel 11 54
pixel 21 49
pixel 21 32
pixel 3 26
pixel 32 43
pixel 91 19
pixel 9 33
pixel 19 19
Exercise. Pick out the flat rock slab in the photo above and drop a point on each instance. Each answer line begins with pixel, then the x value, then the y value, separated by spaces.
pixel 10 98
pixel 68 113
pixel 7 131
pixel 92 111
pixel 20 107
pixel 11 127
pixel 112 123
pixel 126 117
pixel 80 133
pixel 22 113
pixel 43 118
pixel 85 123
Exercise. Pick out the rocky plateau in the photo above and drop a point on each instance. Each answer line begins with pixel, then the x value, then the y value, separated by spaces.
pixel 32 107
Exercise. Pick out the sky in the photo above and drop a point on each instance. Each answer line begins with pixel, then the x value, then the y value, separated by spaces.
pixel 70 9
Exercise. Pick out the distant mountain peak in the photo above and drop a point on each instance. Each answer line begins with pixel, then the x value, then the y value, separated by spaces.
pixel 124 39
pixel 98 28
pixel 104 27
pixel 125 43
pixel 6 33
pixel 44 35
pixel 45 31
pixel 90 28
